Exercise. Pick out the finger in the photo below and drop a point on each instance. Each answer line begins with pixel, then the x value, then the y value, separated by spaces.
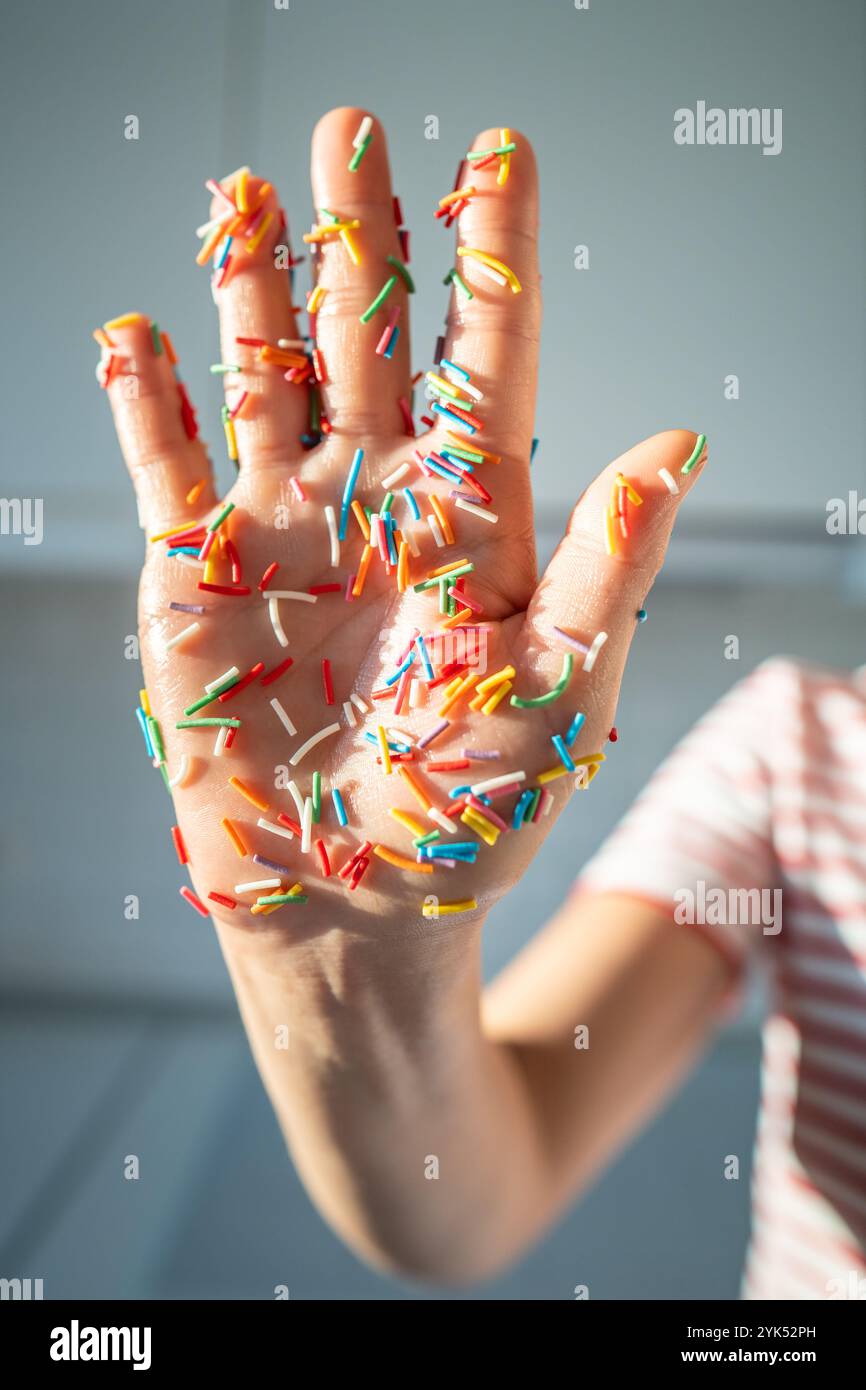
pixel 364 388
pixel 494 335
pixel 155 423
pixel 252 289
pixel 589 601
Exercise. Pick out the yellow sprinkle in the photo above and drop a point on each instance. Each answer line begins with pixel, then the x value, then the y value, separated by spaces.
pixel 489 833
pixel 495 698
pixel 506 674
pixel 351 246
pixel 384 750
pixel 409 822
pixel 633 496
pixel 253 243
pixel 476 449
pixel 446 569
pixel 125 321
pixel 241 191
pixel 466 684
pixel 231 438
pixel 494 264
pixel 609 534
pixel 551 774
pixel 144 701
pixel 441 909
pixel 590 758
pixel 316 298
pixel 504 159
pixel 331 229
pixel 176 531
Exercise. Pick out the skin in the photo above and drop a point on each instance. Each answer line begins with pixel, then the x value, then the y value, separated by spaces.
pixel 391 1058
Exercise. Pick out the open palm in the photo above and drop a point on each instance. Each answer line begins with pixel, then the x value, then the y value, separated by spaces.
pixel 286 481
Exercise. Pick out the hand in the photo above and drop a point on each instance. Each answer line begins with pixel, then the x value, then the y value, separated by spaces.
pixel 596 583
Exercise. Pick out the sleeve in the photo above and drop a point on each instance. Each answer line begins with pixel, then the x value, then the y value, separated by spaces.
pixel 699 836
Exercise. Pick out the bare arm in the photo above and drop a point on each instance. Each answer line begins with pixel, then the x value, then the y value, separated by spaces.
pixel 390 1076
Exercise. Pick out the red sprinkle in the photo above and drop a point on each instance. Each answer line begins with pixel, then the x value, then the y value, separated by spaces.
pixel 242 684
pixel 327 682
pixel 179 845
pixel 221 898
pixel 268 576
pixel 319 366
pixel 231 735
pixel 189 896
pixel 278 671
pixel 454 766
pixel 237 592
pixel 289 823
pixel 398 211
pixel 358 873
pixel 231 552
pixel 252 342
pixel 323 858
pixel 325 589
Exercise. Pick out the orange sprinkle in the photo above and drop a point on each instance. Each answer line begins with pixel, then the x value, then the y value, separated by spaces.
pixel 403 567
pixel 195 491
pixel 281 356
pixel 465 686
pixel 361 517
pixel 459 617
pixel 415 788
pixel 244 790
pixel 169 349
pixel 125 321
pixel 400 861
pixel 363 566
pixel 234 837
pixel 476 449
pixel 102 338
pixel 442 518
pixel 241 191
pixel 446 569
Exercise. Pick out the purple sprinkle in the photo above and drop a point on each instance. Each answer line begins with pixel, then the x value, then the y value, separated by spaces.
pixel 464 496
pixel 269 864
pixel 188 607
pixel 479 755
pixel 439 350
pixel 571 641
pixel 433 733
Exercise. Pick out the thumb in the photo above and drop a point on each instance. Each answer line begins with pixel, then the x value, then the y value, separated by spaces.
pixel 588 600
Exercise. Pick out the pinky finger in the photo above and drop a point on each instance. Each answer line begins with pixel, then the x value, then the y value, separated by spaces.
pixel 155 423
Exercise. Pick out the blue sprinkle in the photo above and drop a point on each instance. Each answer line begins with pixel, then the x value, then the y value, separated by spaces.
pixel 559 744
pixel 413 505
pixel 574 728
pixel 337 799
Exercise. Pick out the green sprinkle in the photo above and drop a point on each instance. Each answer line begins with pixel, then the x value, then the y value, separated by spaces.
pixel 282 898
pixel 156 738
pixel 532 805
pixel 218 521
pixel 386 503
pixel 360 152
pixel 164 770
pixel 454 277
pixel 315 411
pixel 214 694
pixel 402 272
pixel 208 724
pixel 695 454
pixel 443 594
pixel 452 574
pixel 452 605
pixel 156 338
pixel 380 299
pixel 554 694
pixel 472 155
pixel 220 368
pixel 468 454
pixel 426 839
pixel 317 797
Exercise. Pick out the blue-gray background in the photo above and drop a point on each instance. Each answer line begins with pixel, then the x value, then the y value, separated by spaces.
pixel 121 1037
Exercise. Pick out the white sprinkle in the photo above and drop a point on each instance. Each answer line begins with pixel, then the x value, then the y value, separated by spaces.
pixel 275 829
pixel 475 510
pixel 436 529
pixel 597 643
pixel 490 272
pixel 417 694
pixel 291 343
pixel 190 560
pixel 180 776
pixel 409 534
pixel 295 792
pixel 493 782
pixel 548 805
pixel 297 594
pixel 331 519
pixel 307 826
pixel 363 131
pixel 359 703
pixel 274 610
pixel 350 714
pixel 182 636
pixel 283 717
pixel 219 745
pixel 257 885
pixel 395 477
pixel 669 482
pixel 221 680
pixel 442 820
pixel 207 227
pixel 304 749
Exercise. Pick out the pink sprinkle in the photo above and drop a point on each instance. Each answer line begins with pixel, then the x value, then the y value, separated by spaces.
pixel 505 790
pixel 297 489
pixel 251 226
pixel 544 802
pixel 486 811
pixel 408 647
pixel 213 187
pixel 208 545
pixel 466 601
pixel 350 584
pixel 386 336
pixel 402 690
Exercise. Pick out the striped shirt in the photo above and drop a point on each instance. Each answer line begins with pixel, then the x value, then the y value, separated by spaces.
pixel 768 792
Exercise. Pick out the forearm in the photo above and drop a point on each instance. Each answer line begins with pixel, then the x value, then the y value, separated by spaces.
pixel 412 1132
